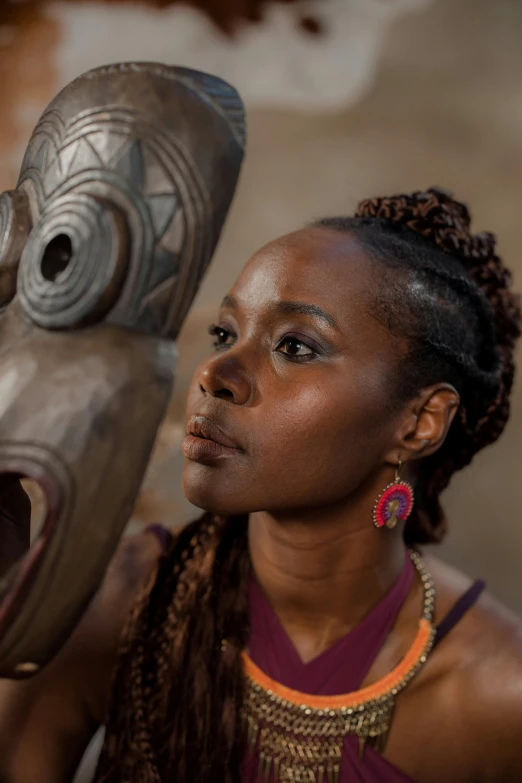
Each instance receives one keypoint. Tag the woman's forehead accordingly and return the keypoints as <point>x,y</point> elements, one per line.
<point>315,265</point>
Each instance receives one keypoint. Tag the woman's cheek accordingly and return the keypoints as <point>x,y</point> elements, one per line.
<point>310,418</point>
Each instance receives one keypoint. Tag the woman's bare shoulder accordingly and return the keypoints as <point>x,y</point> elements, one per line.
<point>486,621</point>
<point>481,659</point>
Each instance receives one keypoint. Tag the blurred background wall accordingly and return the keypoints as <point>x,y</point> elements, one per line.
<point>346,99</point>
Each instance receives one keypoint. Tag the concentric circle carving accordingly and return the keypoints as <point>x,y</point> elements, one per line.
<point>73,264</point>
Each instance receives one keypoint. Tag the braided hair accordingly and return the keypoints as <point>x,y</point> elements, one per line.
<point>447,292</point>
<point>178,691</point>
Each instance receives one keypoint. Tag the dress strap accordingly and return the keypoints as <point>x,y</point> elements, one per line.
<point>457,612</point>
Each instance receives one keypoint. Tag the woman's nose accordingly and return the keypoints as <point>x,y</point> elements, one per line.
<point>224,377</point>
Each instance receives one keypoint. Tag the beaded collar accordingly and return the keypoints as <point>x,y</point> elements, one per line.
<point>299,737</point>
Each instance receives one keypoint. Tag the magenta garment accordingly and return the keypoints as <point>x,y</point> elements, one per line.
<point>340,669</point>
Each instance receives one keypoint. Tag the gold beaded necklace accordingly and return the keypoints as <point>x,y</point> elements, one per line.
<point>300,737</point>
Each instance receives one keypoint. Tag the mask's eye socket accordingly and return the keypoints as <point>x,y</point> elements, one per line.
<point>15,225</point>
<point>56,257</point>
<point>74,263</point>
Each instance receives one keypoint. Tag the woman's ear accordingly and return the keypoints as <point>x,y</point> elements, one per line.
<point>426,421</point>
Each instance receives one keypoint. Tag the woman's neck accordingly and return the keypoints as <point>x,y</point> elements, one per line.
<point>321,573</point>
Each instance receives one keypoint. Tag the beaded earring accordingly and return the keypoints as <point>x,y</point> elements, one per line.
<point>394,503</point>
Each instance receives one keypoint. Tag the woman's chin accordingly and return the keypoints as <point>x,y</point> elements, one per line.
<point>202,492</point>
<point>206,492</point>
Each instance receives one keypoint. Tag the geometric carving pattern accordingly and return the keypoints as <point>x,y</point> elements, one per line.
<point>162,209</point>
<point>96,275</point>
<point>139,174</point>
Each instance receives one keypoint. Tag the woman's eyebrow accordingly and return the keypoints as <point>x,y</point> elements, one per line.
<point>229,302</point>
<point>305,308</point>
<point>289,308</point>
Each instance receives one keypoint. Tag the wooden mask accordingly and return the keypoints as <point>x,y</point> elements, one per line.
<point>122,196</point>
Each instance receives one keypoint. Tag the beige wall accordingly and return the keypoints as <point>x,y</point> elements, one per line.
<point>446,109</point>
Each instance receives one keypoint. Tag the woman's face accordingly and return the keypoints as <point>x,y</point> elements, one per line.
<point>298,390</point>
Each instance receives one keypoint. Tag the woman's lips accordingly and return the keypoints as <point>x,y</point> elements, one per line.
<point>200,449</point>
<point>205,440</point>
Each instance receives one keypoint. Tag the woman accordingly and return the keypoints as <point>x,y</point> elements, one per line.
<point>290,634</point>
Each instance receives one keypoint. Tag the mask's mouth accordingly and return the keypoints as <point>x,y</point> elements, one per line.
<point>29,535</point>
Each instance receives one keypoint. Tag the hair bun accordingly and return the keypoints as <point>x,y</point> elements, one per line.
<point>434,214</point>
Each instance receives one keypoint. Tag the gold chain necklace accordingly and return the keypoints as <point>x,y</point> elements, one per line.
<point>300,737</point>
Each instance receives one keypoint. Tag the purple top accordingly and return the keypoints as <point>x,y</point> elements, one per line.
<point>340,669</point>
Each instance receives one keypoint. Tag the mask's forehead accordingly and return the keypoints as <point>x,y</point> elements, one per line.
<point>109,105</point>
<point>123,168</point>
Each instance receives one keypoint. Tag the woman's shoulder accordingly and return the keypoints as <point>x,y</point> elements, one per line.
<point>131,572</point>
<point>486,619</point>
<point>134,562</point>
<point>481,663</point>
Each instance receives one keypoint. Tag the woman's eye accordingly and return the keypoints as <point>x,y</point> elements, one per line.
<point>291,346</point>
<point>222,336</point>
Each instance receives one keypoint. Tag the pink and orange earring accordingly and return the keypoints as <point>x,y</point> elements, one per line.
<point>395,502</point>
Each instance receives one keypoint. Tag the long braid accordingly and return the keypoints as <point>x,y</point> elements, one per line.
<point>466,335</point>
<point>177,697</point>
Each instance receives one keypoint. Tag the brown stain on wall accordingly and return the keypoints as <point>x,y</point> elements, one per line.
<point>28,39</point>
<point>226,14</point>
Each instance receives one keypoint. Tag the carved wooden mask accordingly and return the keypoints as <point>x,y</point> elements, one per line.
<point>123,192</point>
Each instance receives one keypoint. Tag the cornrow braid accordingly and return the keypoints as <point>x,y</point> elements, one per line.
<point>463,330</point>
